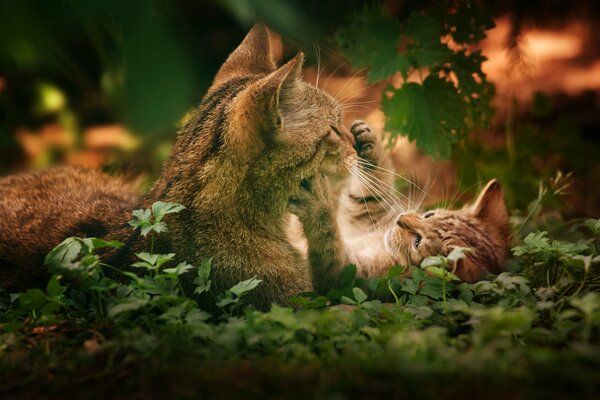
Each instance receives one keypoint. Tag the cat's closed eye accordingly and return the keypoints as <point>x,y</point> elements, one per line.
<point>429,214</point>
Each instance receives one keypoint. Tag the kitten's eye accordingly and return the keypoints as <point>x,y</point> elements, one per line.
<point>429,214</point>
<point>333,128</point>
<point>417,240</point>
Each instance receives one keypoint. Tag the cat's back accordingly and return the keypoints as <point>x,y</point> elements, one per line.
<point>38,210</point>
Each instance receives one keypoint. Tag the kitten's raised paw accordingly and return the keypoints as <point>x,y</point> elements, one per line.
<point>368,143</point>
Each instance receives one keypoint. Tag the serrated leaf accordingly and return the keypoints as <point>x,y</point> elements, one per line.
<point>128,304</point>
<point>359,295</point>
<point>202,280</point>
<point>160,209</point>
<point>433,261</point>
<point>100,243</point>
<point>141,218</point>
<point>65,253</point>
<point>32,299</point>
<point>432,114</point>
<point>371,39</point>
<point>593,225</point>
<point>245,286</point>
<point>180,269</point>
<point>147,257</point>
<point>458,253</point>
<point>426,48</point>
<point>53,287</point>
<point>469,22</point>
<point>467,67</point>
<point>441,273</point>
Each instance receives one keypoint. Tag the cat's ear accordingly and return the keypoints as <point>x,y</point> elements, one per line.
<point>251,57</point>
<point>490,206</point>
<point>263,105</point>
<point>278,91</point>
<point>289,75</point>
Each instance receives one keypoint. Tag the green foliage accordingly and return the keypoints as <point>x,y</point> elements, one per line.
<point>434,322</point>
<point>453,95</point>
<point>151,220</point>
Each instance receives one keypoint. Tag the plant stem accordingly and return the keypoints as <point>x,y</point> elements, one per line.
<point>389,282</point>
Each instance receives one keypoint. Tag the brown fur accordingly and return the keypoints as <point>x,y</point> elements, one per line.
<point>257,133</point>
<point>38,210</point>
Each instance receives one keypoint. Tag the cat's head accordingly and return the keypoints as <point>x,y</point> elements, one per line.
<point>269,122</point>
<point>481,226</point>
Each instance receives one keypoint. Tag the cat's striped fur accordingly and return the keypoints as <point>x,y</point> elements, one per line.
<point>259,131</point>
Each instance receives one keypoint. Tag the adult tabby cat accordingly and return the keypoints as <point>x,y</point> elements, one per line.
<point>355,223</point>
<point>258,132</point>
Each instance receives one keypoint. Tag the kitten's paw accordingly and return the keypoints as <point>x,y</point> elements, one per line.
<point>368,143</point>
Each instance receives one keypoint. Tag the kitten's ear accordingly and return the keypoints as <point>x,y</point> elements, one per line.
<point>490,206</point>
<point>252,56</point>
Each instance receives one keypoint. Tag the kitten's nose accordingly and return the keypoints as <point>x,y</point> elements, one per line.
<point>406,220</point>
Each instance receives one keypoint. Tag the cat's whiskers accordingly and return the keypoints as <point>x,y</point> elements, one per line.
<point>379,195</point>
<point>354,93</point>
<point>377,187</point>
<point>349,80</point>
<point>424,193</point>
<point>387,185</point>
<point>331,74</point>
<point>361,103</point>
<point>394,204</point>
<point>404,178</point>
<point>318,55</point>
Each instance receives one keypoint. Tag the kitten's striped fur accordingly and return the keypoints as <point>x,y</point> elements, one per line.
<point>374,237</point>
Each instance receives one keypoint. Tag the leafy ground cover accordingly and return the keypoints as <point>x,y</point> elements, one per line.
<point>530,332</point>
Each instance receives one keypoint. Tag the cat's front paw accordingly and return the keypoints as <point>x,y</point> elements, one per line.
<point>368,143</point>
<point>314,193</point>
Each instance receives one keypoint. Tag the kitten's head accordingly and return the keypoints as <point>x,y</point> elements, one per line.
<point>482,226</point>
<point>268,122</point>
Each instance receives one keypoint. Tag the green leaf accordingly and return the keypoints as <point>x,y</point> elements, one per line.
<point>409,287</point>
<point>99,243</point>
<point>359,295</point>
<point>245,286</point>
<point>432,114</point>
<point>370,39</point>
<point>434,261</point>
<point>180,269</point>
<point>469,22</point>
<point>593,225</point>
<point>458,253</point>
<point>160,209</point>
<point>53,288</point>
<point>32,299</point>
<point>128,304</point>
<point>425,47</point>
<point>202,280</point>
<point>65,253</point>
<point>441,273</point>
